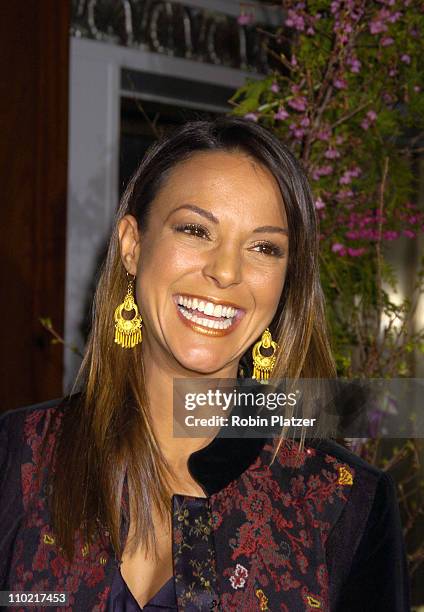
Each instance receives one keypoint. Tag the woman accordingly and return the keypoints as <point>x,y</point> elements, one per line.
<point>214,250</point>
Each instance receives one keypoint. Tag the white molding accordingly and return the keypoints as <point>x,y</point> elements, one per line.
<point>159,63</point>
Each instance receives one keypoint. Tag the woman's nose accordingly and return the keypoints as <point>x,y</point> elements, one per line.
<point>223,265</point>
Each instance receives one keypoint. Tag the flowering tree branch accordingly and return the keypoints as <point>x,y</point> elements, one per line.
<point>346,96</point>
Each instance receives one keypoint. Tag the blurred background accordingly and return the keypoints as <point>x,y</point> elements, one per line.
<point>87,86</point>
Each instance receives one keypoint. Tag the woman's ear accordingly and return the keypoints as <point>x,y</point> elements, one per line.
<point>129,242</point>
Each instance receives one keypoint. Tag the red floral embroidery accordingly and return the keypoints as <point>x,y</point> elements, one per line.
<point>273,516</point>
<point>238,577</point>
<point>37,564</point>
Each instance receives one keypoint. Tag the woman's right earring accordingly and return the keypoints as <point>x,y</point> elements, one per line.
<point>263,354</point>
<point>128,331</point>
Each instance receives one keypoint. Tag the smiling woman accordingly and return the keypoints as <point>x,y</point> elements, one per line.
<point>214,251</point>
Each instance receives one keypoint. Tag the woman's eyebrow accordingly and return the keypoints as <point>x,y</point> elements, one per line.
<point>196,209</point>
<point>272,229</point>
<point>208,215</point>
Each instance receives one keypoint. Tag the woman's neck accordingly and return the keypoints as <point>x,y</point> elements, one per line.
<point>159,379</point>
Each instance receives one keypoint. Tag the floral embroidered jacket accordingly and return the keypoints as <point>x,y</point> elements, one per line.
<point>325,535</point>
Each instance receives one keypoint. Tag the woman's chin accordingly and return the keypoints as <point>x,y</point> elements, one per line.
<point>206,365</point>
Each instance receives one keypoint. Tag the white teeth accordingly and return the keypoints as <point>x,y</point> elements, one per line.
<point>205,322</point>
<point>209,308</point>
<point>217,311</point>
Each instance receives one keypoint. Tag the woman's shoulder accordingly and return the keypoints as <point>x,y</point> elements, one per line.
<point>367,481</point>
<point>23,430</point>
<point>325,453</point>
<point>366,552</point>
<point>372,482</point>
<point>331,451</point>
<point>350,491</point>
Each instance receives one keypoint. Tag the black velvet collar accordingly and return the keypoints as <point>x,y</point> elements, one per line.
<point>223,460</point>
<point>231,452</point>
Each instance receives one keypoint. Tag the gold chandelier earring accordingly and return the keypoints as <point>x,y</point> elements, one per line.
<point>128,331</point>
<point>263,354</point>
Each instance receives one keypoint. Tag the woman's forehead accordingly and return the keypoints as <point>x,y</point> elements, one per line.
<point>221,177</point>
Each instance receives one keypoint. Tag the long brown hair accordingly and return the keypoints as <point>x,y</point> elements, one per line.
<point>108,433</point>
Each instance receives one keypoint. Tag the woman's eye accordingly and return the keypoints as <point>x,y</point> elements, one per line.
<point>193,229</point>
<point>268,248</point>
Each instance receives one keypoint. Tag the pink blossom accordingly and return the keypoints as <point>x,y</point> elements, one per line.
<point>394,17</point>
<point>372,115</point>
<point>295,21</point>
<point>293,60</point>
<point>355,171</point>
<point>365,124</point>
<point>377,26</point>
<point>310,31</point>
<point>339,248</point>
<point>281,114</point>
<point>356,15</point>
<point>343,194</point>
<point>324,134</point>
<point>343,38</point>
<point>354,63</point>
<point>363,234</point>
<point>251,116</point>
<point>319,204</point>
<point>275,88</point>
<point>408,233</point>
<point>331,153</point>
<point>322,171</point>
<point>297,131</point>
<point>298,103</point>
<point>305,122</point>
<point>335,6</point>
<point>417,88</point>
<point>340,83</point>
<point>390,235</point>
<point>392,72</point>
<point>356,252</point>
<point>387,41</point>
<point>405,58</point>
<point>346,178</point>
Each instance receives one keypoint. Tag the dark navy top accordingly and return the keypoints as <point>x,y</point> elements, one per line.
<point>122,600</point>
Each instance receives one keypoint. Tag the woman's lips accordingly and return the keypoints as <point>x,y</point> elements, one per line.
<point>196,320</point>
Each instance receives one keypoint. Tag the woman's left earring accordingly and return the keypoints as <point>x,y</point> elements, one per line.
<point>263,354</point>
<point>128,331</point>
